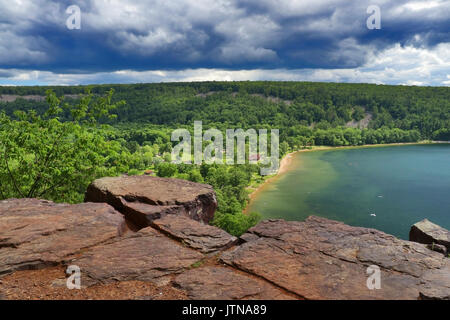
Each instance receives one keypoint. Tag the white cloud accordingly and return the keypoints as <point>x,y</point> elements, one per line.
<point>411,11</point>
<point>395,65</point>
<point>427,66</point>
<point>423,5</point>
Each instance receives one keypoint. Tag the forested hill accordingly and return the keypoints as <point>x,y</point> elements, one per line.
<point>254,104</point>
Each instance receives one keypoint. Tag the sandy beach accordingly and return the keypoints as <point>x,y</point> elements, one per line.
<point>285,164</point>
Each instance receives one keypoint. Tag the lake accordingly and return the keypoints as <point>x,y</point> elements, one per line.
<point>386,188</point>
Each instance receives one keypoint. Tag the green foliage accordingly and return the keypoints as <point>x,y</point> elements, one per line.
<point>40,156</point>
<point>197,264</point>
<point>261,103</point>
<point>442,134</point>
<point>236,224</point>
<point>355,137</point>
<point>166,169</point>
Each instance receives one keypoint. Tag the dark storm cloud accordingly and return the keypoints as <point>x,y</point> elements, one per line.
<point>174,35</point>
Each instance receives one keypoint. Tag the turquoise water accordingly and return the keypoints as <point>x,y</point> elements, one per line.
<point>400,185</point>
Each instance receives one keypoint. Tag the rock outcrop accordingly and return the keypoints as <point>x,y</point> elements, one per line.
<point>219,283</point>
<point>429,233</point>
<point>202,237</point>
<point>143,199</point>
<point>37,233</point>
<point>181,258</point>
<point>325,259</point>
<point>146,255</point>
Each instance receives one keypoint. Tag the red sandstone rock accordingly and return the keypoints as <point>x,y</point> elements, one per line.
<point>145,198</point>
<point>315,259</point>
<point>197,235</point>
<point>145,256</point>
<point>429,233</point>
<point>219,283</point>
<point>325,259</point>
<point>37,233</point>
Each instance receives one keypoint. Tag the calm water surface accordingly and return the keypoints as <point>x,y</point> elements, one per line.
<point>387,188</point>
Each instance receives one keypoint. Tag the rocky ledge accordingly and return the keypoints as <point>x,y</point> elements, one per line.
<point>325,259</point>
<point>437,238</point>
<point>173,256</point>
<point>35,234</point>
<point>143,199</point>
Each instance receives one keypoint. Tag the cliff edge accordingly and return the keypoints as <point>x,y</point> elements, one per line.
<point>148,238</point>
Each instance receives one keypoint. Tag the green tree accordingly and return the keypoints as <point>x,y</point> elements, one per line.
<point>41,156</point>
<point>236,224</point>
<point>166,169</point>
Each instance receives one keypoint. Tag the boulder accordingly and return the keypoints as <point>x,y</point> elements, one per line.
<point>38,233</point>
<point>144,256</point>
<point>143,199</point>
<point>219,283</point>
<point>196,235</point>
<point>325,259</point>
<point>427,232</point>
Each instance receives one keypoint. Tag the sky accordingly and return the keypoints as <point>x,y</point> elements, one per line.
<point>125,41</point>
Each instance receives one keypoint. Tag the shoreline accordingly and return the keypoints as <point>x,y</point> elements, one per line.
<point>286,161</point>
<point>284,164</point>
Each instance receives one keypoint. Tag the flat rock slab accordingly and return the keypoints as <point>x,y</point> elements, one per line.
<point>37,233</point>
<point>325,259</point>
<point>144,256</point>
<point>427,232</point>
<point>145,198</point>
<point>140,215</point>
<point>220,283</point>
<point>195,234</point>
